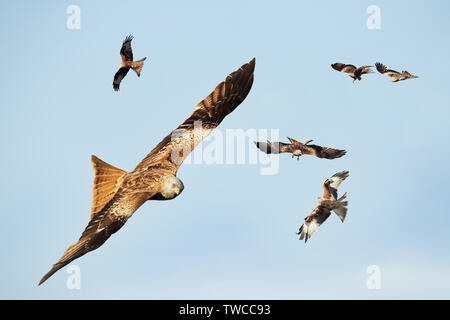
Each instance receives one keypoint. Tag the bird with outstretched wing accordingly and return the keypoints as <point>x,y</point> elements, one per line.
<point>298,149</point>
<point>394,75</point>
<point>127,63</point>
<point>117,194</point>
<point>351,70</point>
<point>327,203</point>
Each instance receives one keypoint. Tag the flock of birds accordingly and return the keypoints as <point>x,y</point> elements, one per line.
<point>117,194</point>
<point>329,201</point>
<point>356,73</point>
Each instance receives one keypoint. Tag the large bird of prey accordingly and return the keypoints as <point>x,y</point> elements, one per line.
<point>327,203</point>
<point>394,75</point>
<point>351,70</point>
<point>298,149</point>
<point>117,194</point>
<point>127,62</point>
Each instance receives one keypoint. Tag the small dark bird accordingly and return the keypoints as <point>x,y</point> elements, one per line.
<point>352,71</point>
<point>117,194</point>
<point>329,202</point>
<point>298,149</point>
<point>127,62</point>
<point>394,75</point>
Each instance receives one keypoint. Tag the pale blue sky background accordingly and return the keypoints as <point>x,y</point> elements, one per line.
<point>231,233</point>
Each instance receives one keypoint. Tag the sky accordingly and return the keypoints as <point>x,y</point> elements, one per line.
<point>231,234</point>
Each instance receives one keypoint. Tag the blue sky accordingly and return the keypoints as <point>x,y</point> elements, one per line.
<point>231,233</point>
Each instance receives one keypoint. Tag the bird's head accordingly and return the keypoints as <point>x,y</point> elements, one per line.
<point>297,152</point>
<point>171,187</point>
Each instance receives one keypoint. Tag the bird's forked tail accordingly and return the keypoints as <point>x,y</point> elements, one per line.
<point>137,66</point>
<point>341,211</point>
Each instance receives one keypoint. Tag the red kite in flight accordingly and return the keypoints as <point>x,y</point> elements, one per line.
<point>118,194</point>
<point>329,202</point>
<point>394,75</point>
<point>352,71</point>
<point>298,149</point>
<point>127,62</point>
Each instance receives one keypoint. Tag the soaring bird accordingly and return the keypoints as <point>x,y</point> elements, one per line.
<point>127,62</point>
<point>327,203</point>
<point>117,194</point>
<point>298,149</point>
<point>352,71</point>
<point>394,75</point>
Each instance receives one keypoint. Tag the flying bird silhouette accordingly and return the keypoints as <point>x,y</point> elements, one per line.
<point>351,70</point>
<point>117,194</point>
<point>127,62</point>
<point>394,75</point>
<point>298,149</point>
<point>327,203</point>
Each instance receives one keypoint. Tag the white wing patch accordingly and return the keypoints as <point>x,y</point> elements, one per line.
<point>186,140</point>
<point>338,178</point>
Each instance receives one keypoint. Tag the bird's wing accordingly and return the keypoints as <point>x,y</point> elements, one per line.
<point>321,152</point>
<point>363,70</point>
<point>337,66</point>
<point>348,68</point>
<point>336,181</point>
<point>392,73</point>
<point>117,211</point>
<point>125,52</point>
<point>380,67</point>
<point>229,94</point>
<point>120,74</point>
<point>342,67</point>
<point>389,72</point>
<point>102,225</point>
<point>268,147</point>
<point>293,141</point>
<point>274,147</point>
<point>313,221</point>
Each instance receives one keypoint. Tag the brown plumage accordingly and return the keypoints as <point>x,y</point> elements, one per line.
<point>118,194</point>
<point>394,75</point>
<point>327,203</point>
<point>351,70</point>
<point>298,149</point>
<point>127,63</point>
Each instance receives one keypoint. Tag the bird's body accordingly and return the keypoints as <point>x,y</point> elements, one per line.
<point>117,194</point>
<point>354,72</point>
<point>127,63</point>
<point>327,203</point>
<point>394,75</point>
<point>297,149</point>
